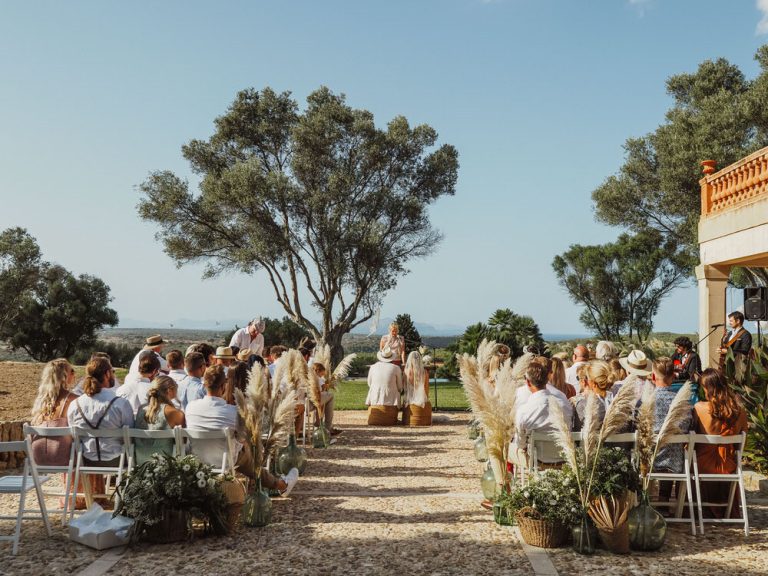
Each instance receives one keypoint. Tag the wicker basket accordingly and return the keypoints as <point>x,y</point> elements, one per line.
<point>616,540</point>
<point>421,416</point>
<point>382,415</point>
<point>538,532</point>
<point>235,494</point>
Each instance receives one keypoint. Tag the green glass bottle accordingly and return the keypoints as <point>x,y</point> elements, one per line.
<point>647,527</point>
<point>291,456</point>
<point>257,510</point>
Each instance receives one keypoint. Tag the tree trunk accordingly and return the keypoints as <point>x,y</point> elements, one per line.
<point>333,339</point>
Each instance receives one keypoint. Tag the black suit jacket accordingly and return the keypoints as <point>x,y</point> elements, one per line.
<point>743,343</point>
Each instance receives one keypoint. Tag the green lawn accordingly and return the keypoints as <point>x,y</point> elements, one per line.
<point>450,395</point>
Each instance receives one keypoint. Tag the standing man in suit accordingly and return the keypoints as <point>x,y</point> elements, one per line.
<point>739,340</point>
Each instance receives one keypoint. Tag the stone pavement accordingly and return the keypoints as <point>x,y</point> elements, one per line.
<point>391,501</point>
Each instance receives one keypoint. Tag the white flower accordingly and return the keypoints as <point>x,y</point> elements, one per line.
<point>200,474</point>
<point>553,502</point>
<point>534,506</point>
<point>573,508</point>
<point>185,467</point>
<point>527,494</point>
<point>211,482</point>
<point>201,483</point>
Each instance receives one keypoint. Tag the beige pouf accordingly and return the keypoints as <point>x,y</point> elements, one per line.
<point>420,416</point>
<point>382,415</point>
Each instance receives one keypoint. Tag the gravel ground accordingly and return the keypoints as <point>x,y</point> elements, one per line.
<point>390,501</point>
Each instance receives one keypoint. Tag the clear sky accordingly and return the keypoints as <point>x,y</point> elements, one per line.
<point>537,95</point>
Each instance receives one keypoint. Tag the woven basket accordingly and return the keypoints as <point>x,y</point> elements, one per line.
<point>420,416</point>
<point>233,517</point>
<point>616,540</point>
<point>235,494</point>
<point>538,532</point>
<point>382,415</point>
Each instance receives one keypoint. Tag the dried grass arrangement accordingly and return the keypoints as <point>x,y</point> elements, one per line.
<point>492,406</point>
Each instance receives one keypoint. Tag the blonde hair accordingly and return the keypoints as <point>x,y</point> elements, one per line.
<point>414,376</point>
<point>158,396</point>
<point>600,376</point>
<point>53,381</point>
<point>619,373</point>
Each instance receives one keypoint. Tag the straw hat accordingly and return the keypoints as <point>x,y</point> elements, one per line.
<point>385,355</point>
<point>244,355</point>
<point>153,341</point>
<point>636,362</point>
<point>224,352</point>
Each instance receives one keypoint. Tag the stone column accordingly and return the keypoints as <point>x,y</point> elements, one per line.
<point>712,283</point>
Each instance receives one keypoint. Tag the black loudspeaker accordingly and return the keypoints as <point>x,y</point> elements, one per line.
<point>756,303</point>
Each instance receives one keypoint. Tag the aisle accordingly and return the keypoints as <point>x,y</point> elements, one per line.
<point>379,501</point>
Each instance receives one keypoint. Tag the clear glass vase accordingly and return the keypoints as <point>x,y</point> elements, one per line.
<point>481,450</point>
<point>488,484</point>
<point>647,527</point>
<point>257,510</point>
<point>473,430</point>
<point>584,536</point>
<point>292,456</point>
<point>321,438</point>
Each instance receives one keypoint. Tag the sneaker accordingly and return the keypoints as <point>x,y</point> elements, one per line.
<point>290,479</point>
<point>336,432</point>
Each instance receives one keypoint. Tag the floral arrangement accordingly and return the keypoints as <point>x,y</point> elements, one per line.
<point>552,493</point>
<point>166,482</point>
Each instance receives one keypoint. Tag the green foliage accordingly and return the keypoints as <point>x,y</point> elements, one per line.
<point>60,314</point>
<point>717,114</point>
<point>613,472</point>
<point>20,262</point>
<point>553,494</point>
<point>120,354</point>
<point>167,482</point>
<point>324,202</point>
<point>408,331</point>
<point>750,379</point>
<point>621,284</point>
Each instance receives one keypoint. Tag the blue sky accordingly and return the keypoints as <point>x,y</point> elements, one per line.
<point>537,95</point>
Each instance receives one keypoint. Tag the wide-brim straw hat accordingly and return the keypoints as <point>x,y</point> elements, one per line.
<point>244,355</point>
<point>224,352</point>
<point>636,362</point>
<point>153,341</point>
<point>385,355</point>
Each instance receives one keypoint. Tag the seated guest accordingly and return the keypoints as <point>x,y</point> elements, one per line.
<point>417,390</point>
<point>224,357</point>
<point>385,384</point>
<point>670,458</point>
<point>606,350</point>
<point>524,393</point>
<point>206,350</point>
<point>153,344</point>
<point>557,378</point>
<point>191,388</point>
<point>135,388</point>
<point>687,362</point>
<point>722,414</point>
<point>78,389</point>
<point>158,414</point>
<point>619,373</point>
<point>237,379</point>
<point>598,379</point>
<point>328,396</point>
<point>534,415</point>
<point>274,357</point>
<point>96,409</point>
<point>580,358</point>
<point>636,363</point>
<point>213,413</point>
<point>175,361</point>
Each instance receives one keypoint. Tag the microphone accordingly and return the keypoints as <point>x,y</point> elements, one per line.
<point>717,325</point>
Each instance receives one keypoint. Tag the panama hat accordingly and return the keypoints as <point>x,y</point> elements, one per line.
<point>224,352</point>
<point>636,362</point>
<point>244,355</point>
<point>153,341</point>
<point>385,355</point>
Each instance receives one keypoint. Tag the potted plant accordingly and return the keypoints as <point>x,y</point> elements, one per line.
<point>321,437</point>
<point>165,492</point>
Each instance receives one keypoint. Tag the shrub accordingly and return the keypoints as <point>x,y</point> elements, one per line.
<point>121,354</point>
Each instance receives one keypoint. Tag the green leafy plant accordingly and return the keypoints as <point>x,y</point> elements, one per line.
<point>166,482</point>
<point>553,494</point>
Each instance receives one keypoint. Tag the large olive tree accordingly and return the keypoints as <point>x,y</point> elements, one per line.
<point>330,207</point>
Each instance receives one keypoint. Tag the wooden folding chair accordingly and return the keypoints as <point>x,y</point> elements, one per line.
<point>736,479</point>
<point>35,433</point>
<point>20,485</point>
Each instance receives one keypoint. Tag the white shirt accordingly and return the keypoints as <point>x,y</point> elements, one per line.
<point>385,382</point>
<point>524,394</point>
<point>570,374</point>
<point>178,375</point>
<point>242,340</point>
<point>534,417</point>
<point>134,369</point>
<point>135,391</point>
<point>211,413</point>
<point>118,415</point>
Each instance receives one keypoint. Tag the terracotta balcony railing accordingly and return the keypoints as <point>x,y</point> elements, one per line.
<point>736,185</point>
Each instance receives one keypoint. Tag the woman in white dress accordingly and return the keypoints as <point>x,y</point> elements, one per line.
<point>395,343</point>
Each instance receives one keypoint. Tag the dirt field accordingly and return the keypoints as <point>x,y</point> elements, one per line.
<point>18,387</point>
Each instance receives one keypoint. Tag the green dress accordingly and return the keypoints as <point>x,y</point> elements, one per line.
<point>143,449</point>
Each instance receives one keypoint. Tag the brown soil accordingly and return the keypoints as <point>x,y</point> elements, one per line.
<point>18,388</point>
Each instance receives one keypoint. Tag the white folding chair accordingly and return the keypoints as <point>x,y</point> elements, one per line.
<point>684,482</point>
<point>35,433</point>
<point>132,435</point>
<point>736,479</point>
<point>308,426</point>
<point>222,441</point>
<point>83,470</point>
<point>20,485</point>
<point>543,449</point>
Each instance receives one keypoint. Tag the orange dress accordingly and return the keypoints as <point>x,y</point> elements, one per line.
<point>716,459</point>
